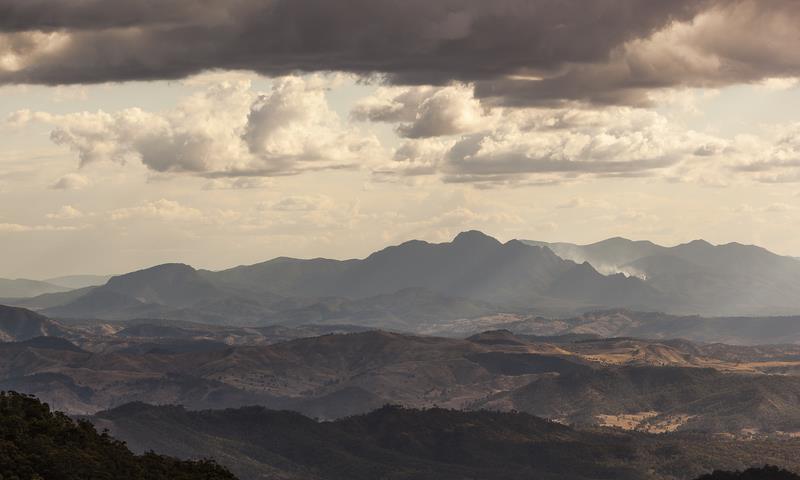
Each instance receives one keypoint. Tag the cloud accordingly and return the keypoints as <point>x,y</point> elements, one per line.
<point>778,83</point>
<point>71,181</point>
<point>442,224</point>
<point>415,39</point>
<point>545,146</point>
<point>302,215</point>
<point>293,125</point>
<point>519,52</point>
<point>170,213</point>
<point>414,158</point>
<point>225,130</point>
<point>424,112</point>
<point>240,183</point>
<point>67,212</point>
<point>162,209</point>
<point>302,203</point>
<point>726,43</point>
<point>777,207</point>
<point>50,15</point>
<point>576,202</point>
<point>20,228</point>
<point>773,157</point>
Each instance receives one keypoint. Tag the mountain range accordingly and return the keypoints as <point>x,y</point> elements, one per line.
<point>698,277</point>
<point>23,288</point>
<point>417,285</point>
<point>398,287</point>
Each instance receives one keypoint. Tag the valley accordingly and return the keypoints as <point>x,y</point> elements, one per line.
<point>330,372</point>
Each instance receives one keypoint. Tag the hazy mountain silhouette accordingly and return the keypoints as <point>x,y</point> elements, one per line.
<point>415,283</point>
<point>79,281</point>
<point>611,252</point>
<point>399,287</point>
<point>698,277</point>
<point>164,291</point>
<point>22,288</point>
<point>473,265</point>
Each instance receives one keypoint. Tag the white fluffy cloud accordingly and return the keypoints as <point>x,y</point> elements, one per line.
<point>775,160</point>
<point>551,145</point>
<point>450,135</point>
<point>292,128</point>
<point>224,130</point>
<point>619,141</point>
<point>238,137</point>
<point>71,181</point>
<point>423,112</point>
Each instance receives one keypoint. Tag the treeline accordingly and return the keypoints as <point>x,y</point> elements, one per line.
<point>765,473</point>
<point>392,442</point>
<point>37,444</point>
<point>434,444</point>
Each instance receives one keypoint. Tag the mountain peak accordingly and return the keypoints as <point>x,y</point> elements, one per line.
<point>475,237</point>
<point>699,243</point>
<point>165,269</point>
<point>169,267</point>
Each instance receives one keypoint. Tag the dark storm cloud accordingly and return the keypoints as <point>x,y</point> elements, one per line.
<point>419,41</point>
<point>49,15</point>
<point>582,50</point>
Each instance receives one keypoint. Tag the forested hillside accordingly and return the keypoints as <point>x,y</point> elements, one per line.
<point>37,444</point>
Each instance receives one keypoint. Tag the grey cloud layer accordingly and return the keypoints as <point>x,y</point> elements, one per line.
<point>520,52</point>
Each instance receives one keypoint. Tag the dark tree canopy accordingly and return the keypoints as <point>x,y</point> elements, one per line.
<point>765,473</point>
<point>36,443</point>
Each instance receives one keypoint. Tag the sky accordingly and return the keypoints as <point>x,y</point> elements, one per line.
<point>223,133</point>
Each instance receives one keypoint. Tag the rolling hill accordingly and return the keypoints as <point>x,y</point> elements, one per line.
<point>651,385</point>
<point>393,442</point>
<point>18,324</point>
<point>627,323</point>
